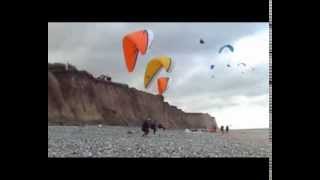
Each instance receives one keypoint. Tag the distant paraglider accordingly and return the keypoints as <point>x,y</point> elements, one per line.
<point>201,41</point>
<point>243,64</point>
<point>244,68</point>
<point>226,46</point>
<point>211,68</point>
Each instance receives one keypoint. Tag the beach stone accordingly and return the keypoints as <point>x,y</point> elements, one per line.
<point>113,141</point>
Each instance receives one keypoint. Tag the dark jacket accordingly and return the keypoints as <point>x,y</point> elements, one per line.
<point>145,126</point>
<point>153,126</point>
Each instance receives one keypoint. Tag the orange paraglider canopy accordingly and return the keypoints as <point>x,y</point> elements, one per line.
<point>162,84</point>
<point>133,43</point>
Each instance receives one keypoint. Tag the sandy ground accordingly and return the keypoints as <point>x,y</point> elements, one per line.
<point>113,141</point>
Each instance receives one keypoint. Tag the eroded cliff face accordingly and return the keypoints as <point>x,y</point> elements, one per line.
<point>76,97</point>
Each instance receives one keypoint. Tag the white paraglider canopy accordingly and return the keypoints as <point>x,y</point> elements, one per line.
<point>150,37</point>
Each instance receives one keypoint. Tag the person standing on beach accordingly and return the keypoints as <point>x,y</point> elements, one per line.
<point>222,129</point>
<point>227,129</point>
<point>145,127</point>
<point>153,126</point>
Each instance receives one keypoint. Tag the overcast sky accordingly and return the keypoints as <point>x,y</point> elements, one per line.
<point>234,96</point>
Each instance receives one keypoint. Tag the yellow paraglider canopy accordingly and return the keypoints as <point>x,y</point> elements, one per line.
<point>154,65</point>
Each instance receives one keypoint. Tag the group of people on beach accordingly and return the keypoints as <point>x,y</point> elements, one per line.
<point>222,129</point>
<point>151,124</point>
<point>154,125</point>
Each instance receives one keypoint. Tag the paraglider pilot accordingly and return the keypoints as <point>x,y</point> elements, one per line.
<point>145,127</point>
<point>153,126</point>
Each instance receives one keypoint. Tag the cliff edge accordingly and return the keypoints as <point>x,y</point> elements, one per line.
<point>76,97</point>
